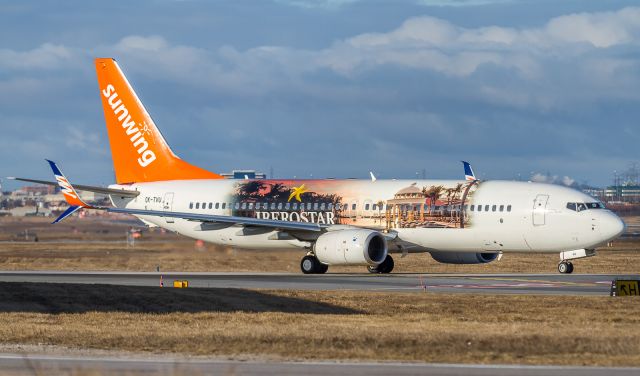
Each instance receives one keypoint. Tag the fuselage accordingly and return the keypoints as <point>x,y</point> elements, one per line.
<point>422,215</point>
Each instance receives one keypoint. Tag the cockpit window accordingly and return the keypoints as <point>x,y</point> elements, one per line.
<point>580,206</point>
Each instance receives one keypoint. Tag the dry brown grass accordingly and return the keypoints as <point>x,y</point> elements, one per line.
<point>326,325</point>
<point>99,244</point>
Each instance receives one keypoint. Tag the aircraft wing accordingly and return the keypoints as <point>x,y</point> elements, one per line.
<point>88,188</point>
<point>76,203</point>
<point>283,225</point>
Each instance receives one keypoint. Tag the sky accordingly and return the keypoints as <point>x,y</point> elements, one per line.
<point>330,88</point>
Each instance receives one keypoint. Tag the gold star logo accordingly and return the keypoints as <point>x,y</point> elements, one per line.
<point>297,191</point>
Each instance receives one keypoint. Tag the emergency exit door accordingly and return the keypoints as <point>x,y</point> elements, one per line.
<point>540,209</point>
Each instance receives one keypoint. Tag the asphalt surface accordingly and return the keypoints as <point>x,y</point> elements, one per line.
<point>19,364</point>
<point>550,284</point>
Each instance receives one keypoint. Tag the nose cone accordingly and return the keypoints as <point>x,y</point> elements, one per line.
<point>612,226</point>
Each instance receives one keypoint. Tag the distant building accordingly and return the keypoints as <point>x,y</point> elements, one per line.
<point>35,190</point>
<point>598,193</point>
<point>623,193</point>
<point>242,174</point>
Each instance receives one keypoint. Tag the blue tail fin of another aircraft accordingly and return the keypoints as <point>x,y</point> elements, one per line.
<point>468,172</point>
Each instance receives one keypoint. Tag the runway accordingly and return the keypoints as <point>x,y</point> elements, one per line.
<point>550,284</point>
<point>47,364</point>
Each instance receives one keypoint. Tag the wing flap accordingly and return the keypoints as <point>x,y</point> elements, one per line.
<point>284,225</point>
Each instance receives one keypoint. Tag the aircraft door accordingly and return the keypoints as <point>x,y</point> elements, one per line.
<point>167,205</point>
<point>539,209</point>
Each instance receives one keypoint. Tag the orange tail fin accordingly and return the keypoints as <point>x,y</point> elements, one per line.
<point>139,152</point>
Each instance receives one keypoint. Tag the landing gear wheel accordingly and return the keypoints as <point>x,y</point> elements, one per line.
<point>565,267</point>
<point>322,268</point>
<point>383,268</point>
<point>311,265</point>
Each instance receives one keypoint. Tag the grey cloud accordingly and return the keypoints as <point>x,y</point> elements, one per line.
<point>426,92</point>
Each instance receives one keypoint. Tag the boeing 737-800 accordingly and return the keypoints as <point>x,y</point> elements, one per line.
<point>334,222</point>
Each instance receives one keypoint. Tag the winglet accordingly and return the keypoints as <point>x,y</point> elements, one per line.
<point>468,172</point>
<point>70,195</point>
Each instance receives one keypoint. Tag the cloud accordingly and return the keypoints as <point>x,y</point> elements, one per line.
<point>423,92</point>
<point>45,57</point>
<point>324,4</point>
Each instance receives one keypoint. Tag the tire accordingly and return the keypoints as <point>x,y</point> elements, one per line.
<point>373,269</point>
<point>387,265</point>
<point>570,270</point>
<point>563,267</point>
<point>322,268</point>
<point>309,265</point>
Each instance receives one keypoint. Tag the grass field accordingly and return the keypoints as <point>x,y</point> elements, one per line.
<point>98,244</point>
<point>325,325</point>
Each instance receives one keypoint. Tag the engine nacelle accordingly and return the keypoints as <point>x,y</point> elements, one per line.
<point>351,247</point>
<point>464,257</point>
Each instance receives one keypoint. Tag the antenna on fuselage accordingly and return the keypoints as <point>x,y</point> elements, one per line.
<point>373,177</point>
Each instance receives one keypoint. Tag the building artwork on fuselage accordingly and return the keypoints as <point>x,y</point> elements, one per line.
<point>340,202</point>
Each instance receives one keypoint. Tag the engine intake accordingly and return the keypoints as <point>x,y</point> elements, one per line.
<point>351,247</point>
<point>464,257</point>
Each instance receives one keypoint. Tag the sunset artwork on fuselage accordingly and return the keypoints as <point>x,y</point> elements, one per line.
<point>338,202</point>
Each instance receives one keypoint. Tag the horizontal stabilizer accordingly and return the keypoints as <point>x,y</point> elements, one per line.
<point>87,188</point>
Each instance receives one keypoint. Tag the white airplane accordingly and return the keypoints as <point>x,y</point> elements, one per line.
<point>334,222</point>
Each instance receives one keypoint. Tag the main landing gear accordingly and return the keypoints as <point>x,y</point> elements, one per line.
<point>383,268</point>
<point>565,267</point>
<point>311,265</point>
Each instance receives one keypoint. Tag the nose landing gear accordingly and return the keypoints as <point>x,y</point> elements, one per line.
<point>565,267</point>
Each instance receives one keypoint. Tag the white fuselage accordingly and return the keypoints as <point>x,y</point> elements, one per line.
<point>514,216</point>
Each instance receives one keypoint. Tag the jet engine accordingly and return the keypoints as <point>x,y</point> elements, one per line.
<point>464,257</point>
<point>351,247</point>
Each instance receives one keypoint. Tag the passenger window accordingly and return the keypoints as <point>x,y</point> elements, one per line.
<point>472,207</point>
<point>197,205</point>
<point>501,208</point>
<point>279,205</point>
<point>273,206</point>
<point>315,206</point>
<point>287,206</point>
<point>374,207</point>
<point>330,206</point>
<point>224,205</point>
<point>217,205</point>
<point>322,206</point>
<point>237,205</point>
<point>493,208</point>
<point>250,205</point>
<point>295,206</point>
<point>211,205</point>
<point>366,206</point>
<point>191,205</point>
<point>465,207</point>
<point>204,205</point>
<point>486,208</point>
<point>257,205</point>
<point>479,207</point>
<point>353,207</point>
<point>508,208</point>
